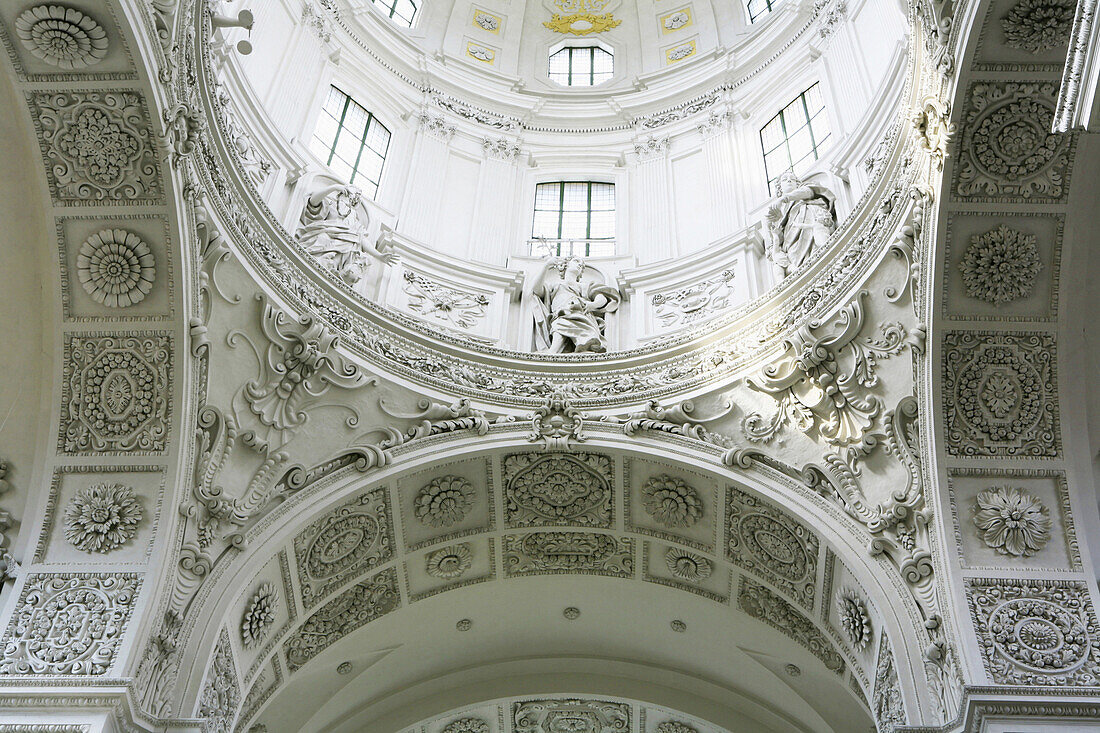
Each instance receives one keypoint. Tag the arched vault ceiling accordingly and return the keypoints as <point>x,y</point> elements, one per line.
<point>868,474</point>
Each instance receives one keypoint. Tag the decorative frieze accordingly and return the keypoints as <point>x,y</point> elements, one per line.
<point>760,603</point>
<point>1008,150</point>
<point>568,552</point>
<point>765,541</point>
<point>570,714</point>
<point>431,299</point>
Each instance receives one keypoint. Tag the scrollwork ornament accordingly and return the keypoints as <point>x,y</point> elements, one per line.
<point>102,517</point>
<point>61,36</point>
<point>1012,521</point>
<point>116,268</point>
<point>450,562</point>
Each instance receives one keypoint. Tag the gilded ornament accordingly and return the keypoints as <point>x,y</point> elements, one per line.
<point>116,268</point>
<point>62,36</point>
<point>582,24</point>
<point>102,518</point>
<point>1012,521</point>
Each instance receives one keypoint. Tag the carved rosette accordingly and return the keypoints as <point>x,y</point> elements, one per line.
<point>1036,26</point>
<point>450,562</point>
<point>259,615</point>
<point>1012,521</point>
<point>62,36</point>
<point>444,501</point>
<point>69,624</point>
<point>116,268</point>
<point>688,566</point>
<point>671,501</point>
<point>854,619</point>
<point>1000,266</point>
<point>102,518</point>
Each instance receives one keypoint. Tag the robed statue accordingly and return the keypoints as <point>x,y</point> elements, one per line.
<point>799,223</point>
<point>332,231</point>
<point>568,311</point>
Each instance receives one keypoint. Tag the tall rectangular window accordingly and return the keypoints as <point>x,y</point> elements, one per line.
<point>758,8</point>
<point>581,67</point>
<point>400,11</point>
<point>794,137</point>
<point>351,141</point>
<point>574,218</point>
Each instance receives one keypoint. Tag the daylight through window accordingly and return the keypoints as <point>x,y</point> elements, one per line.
<point>351,141</point>
<point>581,67</point>
<point>794,137</point>
<point>574,218</point>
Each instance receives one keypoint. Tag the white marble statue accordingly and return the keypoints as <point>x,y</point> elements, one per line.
<point>799,223</point>
<point>332,231</point>
<point>568,311</point>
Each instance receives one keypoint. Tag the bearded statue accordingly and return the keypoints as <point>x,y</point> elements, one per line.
<point>331,230</point>
<point>568,312</point>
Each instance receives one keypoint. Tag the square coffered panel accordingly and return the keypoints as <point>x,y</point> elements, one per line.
<point>114,267</point>
<point>449,566</point>
<point>80,496</point>
<point>679,567</point>
<point>348,541</point>
<point>48,41</point>
<point>1031,34</point>
<point>671,503</point>
<point>1013,519</point>
<point>446,502</point>
<point>1003,266</point>
<point>558,489</point>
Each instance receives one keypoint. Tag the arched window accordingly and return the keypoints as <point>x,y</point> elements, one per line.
<point>574,218</point>
<point>794,137</point>
<point>400,11</point>
<point>758,8</point>
<point>581,66</point>
<point>351,141</point>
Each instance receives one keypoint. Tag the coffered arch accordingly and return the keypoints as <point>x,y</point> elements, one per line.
<point>630,532</point>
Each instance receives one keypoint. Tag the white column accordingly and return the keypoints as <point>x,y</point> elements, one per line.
<point>652,234</point>
<point>496,202</point>
<point>727,210</point>
<point>424,189</point>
